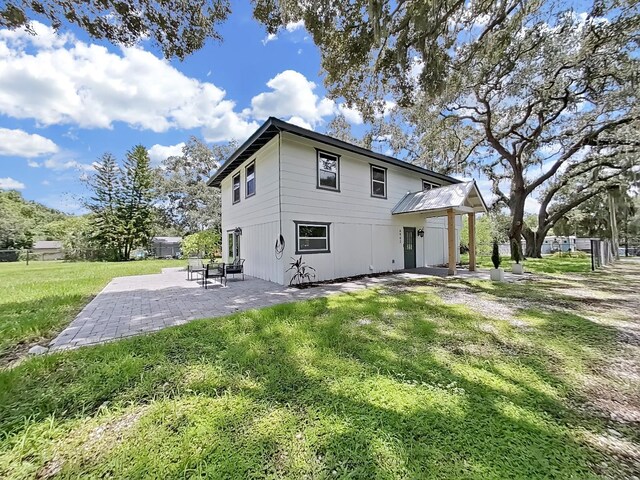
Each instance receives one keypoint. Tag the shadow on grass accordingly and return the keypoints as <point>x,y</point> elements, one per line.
<point>358,385</point>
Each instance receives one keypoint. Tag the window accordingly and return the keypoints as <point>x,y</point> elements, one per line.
<point>236,188</point>
<point>312,237</point>
<point>251,179</point>
<point>328,171</point>
<point>230,249</point>
<point>233,245</point>
<point>428,185</point>
<point>378,182</point>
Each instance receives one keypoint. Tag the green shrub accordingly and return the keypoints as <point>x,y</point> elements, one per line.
<point>495,255</point>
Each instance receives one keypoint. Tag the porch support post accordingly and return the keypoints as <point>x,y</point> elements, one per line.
<point>451,232</point>
<point>472,242</point>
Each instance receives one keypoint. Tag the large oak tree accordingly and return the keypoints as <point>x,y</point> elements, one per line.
<point>177,27</point>
<point>520,90</point>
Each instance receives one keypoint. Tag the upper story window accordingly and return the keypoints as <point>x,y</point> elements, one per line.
<point>378,182</point>
<point>328,171</point>
<point>428,185</point>
<point>250,175</point>
<point>236,188</point>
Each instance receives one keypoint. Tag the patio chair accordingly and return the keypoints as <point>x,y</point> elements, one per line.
<point>214,270</point>
<point>236,268</point>
<point>194,265</point>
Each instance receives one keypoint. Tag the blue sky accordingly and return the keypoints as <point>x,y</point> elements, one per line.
<point>66,99</point>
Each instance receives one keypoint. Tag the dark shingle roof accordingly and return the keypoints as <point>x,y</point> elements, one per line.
<point>273,126</point>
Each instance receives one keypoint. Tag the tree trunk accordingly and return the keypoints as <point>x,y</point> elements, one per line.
<point>518,198</point>
<point>614,224</point>
<point>529,237</point>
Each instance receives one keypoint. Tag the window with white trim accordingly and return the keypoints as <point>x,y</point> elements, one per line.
<point>328,171</point>
<point>428,185</point>
<point>312,237</point>
<point>378,182</point>
<point>250,175</point>
<point>236,188</point>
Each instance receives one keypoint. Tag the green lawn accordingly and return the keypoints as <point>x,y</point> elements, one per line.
<point>38,300</point>
<point>565,263</point>
<point>391,383</point>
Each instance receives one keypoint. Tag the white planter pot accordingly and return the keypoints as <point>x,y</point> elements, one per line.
<point>517,268</point>
<point>497,274</point>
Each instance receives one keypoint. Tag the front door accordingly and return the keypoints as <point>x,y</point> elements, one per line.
<point>409,247</point>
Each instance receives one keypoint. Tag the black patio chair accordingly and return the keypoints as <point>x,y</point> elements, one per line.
<point>194,265</point>
<point>236,268</point>
<point>214,270</point>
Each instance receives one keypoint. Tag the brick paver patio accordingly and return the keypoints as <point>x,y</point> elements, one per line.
<point>145,303</point>
<point>139,304</point>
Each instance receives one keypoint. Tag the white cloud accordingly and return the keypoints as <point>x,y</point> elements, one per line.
<point>158,153</point>
<point>46,183</point>
<point>291,96</point>
<point>293,26</point>
<point>300,122</point>
<point>289,27</point>
<point>18,143</point>
<point>9,183</point>
<point>352,115</point>
<point>269,38</point>
<point>63,161</point>
<point>57,79</point>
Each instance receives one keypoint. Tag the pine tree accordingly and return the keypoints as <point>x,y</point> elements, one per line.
<point>104,204</point>
<point>136,210</point>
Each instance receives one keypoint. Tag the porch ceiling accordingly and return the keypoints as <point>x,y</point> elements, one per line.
<point>460,197</point>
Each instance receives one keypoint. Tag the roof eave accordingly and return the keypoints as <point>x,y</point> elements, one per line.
<point>216,179</point>
<point>213,181</point>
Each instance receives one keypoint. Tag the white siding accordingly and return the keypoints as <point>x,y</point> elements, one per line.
<point>364,236</point>
<point>257,216</point>
<point>436,241</point>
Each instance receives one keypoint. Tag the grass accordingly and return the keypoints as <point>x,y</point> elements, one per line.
<point>557,263</point>
<point>388,383</point>
<point>38,300</point>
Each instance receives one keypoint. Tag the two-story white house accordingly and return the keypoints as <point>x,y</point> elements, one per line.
<point>289,191</point>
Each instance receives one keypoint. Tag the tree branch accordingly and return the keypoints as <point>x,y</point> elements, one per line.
<point>587,140</point>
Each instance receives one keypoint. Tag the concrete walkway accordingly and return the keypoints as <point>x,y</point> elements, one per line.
<point>139,304</point>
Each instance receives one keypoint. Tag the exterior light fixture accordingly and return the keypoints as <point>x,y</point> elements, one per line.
<point>421,232</point>
<point>238,231</point>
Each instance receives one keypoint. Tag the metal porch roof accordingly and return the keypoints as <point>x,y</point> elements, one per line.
<point>464,197</point>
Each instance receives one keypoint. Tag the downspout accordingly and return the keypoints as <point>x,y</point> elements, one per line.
<point>280,242</point>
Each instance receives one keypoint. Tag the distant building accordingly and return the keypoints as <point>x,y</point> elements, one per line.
<point>48,250</point>
<point>166,246</point>
<point>553,244</point>
<point>583,244</point>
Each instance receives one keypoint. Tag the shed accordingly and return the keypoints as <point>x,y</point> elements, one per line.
<point>48,249</point>
<point>166,246</point>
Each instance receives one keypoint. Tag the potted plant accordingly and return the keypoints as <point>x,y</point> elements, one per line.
<point>516,266</point>
<point>497,274</point>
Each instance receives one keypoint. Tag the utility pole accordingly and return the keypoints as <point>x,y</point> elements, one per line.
<point>612,193</point>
